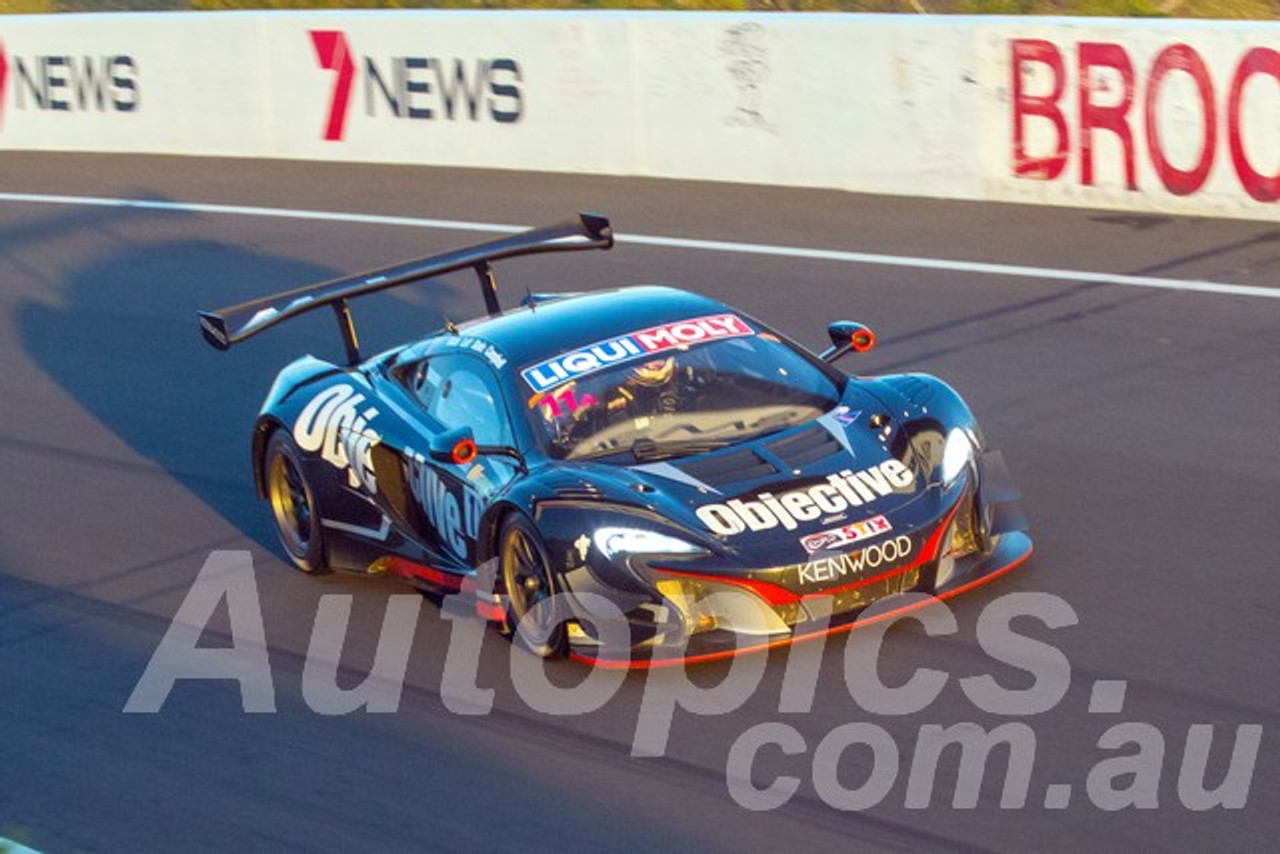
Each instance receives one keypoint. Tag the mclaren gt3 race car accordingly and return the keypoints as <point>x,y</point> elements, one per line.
<point>635,476</point>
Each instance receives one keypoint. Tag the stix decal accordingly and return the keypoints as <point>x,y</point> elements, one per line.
<point>420,88</point>
<point>879,556</point>
<point>457,521</point>
<point>846,534</point>
<point>334,425</point>
<point>63,83</point>
<point>594,357</point>
<point>836,494</point>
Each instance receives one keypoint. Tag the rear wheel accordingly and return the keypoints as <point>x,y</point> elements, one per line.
<point>293,504</point>
<point>533,614</point>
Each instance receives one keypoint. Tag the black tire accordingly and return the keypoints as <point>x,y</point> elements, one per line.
<point>527,579</point>
<point>293,504</point>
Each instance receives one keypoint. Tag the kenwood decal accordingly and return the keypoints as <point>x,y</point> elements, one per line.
<point>879,556</point>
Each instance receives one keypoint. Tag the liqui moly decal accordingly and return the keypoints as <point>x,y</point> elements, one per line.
<point>594,357</point>
<point>846,534</point>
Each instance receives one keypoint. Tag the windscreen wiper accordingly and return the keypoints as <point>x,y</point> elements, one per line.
<point>646,449</point>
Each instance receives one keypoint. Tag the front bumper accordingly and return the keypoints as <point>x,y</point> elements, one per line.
<point>954,553</point>
<point>1011,551</point>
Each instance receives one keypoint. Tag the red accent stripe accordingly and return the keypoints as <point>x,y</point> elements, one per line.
<point>408,569</point>
<point>488,606</point>
<point>490,611</point>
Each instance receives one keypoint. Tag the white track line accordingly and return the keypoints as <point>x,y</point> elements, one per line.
<point>1197,286</point>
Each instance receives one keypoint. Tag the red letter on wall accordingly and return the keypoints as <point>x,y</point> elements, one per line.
<point>1181,57</point>
<point>1260,60</point>
<point>1044,106</point>
<point>334,55</point>
<point>1112,117</point>
<point>4,72</point>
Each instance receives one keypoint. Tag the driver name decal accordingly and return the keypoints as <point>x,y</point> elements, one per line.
<point>593,357</point>
<point>836,494</point>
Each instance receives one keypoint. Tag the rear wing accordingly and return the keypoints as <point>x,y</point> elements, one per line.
<point>231,325</point>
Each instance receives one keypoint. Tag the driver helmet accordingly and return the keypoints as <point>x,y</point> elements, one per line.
<point>653,373</point>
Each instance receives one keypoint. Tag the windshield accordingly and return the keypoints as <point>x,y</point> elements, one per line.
<point>683,400</point>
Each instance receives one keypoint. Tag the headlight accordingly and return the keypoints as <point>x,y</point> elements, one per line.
<point>615,541</point>
<point>956,455</point>
<point>706,605</point>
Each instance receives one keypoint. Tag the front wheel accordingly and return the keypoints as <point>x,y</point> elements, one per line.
<point>533,613</point>
<point>293,504</point>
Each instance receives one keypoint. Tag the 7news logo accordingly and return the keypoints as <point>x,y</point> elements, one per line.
<point>68,84</point>
<point>417,87</point>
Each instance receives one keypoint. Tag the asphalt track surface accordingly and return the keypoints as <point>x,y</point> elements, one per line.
<point>1141,423</point>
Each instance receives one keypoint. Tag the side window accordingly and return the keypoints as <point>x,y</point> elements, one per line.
<point>461,391</point>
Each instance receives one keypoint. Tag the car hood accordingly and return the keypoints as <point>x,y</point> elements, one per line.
<point>767,501</point>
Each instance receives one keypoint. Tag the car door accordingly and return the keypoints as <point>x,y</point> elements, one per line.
<point>442,500</point>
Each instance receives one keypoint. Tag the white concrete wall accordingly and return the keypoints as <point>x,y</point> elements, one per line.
<point>1140,115</point>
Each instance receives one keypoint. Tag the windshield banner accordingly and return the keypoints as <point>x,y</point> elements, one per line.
<point>589,359</point>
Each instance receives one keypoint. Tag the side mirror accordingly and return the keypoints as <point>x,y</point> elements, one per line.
<point>456,446</point>
<point>847,336</point>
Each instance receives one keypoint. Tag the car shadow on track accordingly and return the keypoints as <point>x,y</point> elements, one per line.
<point>121,338</point>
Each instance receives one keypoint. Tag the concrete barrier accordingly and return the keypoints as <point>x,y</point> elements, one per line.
<point>1164,116</point>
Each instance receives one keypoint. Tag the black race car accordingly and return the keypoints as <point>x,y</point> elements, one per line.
<point>633,476</point>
